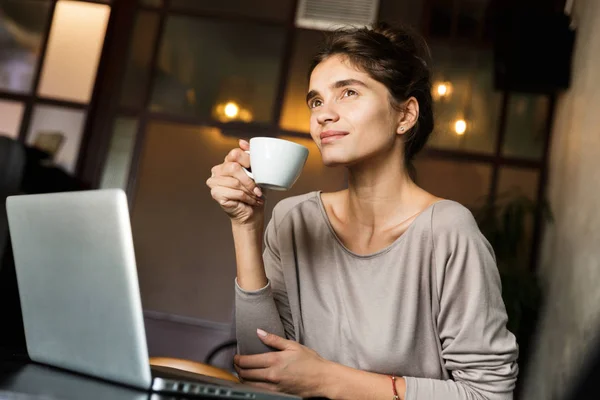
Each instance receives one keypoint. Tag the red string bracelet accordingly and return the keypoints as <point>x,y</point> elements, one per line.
<point>396,397</point>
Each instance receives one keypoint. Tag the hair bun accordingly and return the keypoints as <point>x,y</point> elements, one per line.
<point>405,40</point>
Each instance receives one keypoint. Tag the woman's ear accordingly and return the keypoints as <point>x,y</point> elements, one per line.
<point>410,115</point>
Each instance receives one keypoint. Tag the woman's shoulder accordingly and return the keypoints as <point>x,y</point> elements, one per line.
<point>449,216</point>
<point>283,207</point>
<point>454,228</point>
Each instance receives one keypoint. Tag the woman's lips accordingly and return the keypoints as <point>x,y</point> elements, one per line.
<point>331,136</point>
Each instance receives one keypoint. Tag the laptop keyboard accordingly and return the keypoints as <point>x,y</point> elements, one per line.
<point>201,389</point>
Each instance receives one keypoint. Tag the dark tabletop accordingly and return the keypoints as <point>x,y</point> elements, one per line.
<point>23,380</point>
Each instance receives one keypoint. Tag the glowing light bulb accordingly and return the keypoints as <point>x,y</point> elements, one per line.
<point>442,89</point>
<point>460,126</point>
<point>231,110</point>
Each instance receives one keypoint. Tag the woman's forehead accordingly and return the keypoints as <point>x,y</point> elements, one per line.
<point>333,69</point>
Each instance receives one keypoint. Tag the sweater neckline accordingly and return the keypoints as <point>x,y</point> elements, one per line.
<point>386,249</point>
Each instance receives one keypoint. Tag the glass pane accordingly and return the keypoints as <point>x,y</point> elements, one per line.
<point>116,168</point>
<point>407,12</point>
<point>278,10</point>
<point>470,16</point>
<point>227,72</point>
<point>440,19</point>
<point>151,3</point>
<point>525,126</point>
<point>489,22</point>
<point>464,94</point>
<point>295,115</point>
<point>465,182</point>
<point>58,131</point>
<point>519,181</point>
<point>513,184</point>
<point>22,24</point>
<point>11,113</point>
<point>140,55</point>
<point>70,66</point>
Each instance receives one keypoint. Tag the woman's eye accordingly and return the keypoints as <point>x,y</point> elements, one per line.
<point>350,92</point>
<point>315,103</point>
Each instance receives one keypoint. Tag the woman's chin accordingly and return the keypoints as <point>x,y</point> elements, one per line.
<point>334,161</point>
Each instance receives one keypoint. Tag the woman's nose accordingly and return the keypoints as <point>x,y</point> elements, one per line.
<point>327,114</point>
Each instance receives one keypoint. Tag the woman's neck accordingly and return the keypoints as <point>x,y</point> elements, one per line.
<point>381,194</point>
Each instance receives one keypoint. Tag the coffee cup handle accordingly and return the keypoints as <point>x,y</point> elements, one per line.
<point>246,171</point>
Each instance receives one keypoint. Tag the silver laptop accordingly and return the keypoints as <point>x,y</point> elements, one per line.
<point>80,296</point>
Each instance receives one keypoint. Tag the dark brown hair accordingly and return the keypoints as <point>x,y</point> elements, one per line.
<point>396,57</point>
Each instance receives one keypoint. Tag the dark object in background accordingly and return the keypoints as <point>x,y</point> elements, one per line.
<point>23,169</point>
<point>41,176</point>
<point>12,166</point>
<point>532,51</point>
<point>585,384</point>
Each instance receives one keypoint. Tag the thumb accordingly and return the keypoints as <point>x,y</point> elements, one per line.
<point>277,342</point>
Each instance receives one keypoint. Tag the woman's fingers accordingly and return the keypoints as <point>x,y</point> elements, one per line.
<point>244,145</point>
<point>229,182</point>
<point>235,170</point>
<point>228,197</point>
<point>239,156</point>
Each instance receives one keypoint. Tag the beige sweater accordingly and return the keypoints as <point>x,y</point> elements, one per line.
<point>427,308</point>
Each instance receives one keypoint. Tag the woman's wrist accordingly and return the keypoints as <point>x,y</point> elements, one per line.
<point>247,240</point>
<point>331,374</point>
<point>341,382</point>
<point>248,227</point>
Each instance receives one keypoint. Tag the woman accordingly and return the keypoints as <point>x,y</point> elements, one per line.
<point>381,289</point>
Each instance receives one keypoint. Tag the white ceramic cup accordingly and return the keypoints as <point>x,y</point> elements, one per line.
<point>276,163</point>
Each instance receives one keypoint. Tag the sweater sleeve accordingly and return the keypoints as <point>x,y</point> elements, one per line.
<point>267,308</point>
<point>477,348</point>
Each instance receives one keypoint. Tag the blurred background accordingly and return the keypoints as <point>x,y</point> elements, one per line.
<point>148,95</point>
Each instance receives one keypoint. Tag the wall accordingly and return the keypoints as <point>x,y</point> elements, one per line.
<point>570,262</point>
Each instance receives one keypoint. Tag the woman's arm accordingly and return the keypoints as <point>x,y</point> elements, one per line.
<point>251,274</point>
<point>476,347</point>
<point>242,201</point>
<point>261,304</point>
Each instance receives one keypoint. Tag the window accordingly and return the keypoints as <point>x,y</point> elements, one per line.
<point>116,168</point>
<point>466,107</point>
<point>276,10</point>
<point>11,113</point>
<point>229,71</point>
<point>74,48</point>
<point>526,124</point>
<point>22,25</point>
<point>64,124</point>
<point>137,72</point>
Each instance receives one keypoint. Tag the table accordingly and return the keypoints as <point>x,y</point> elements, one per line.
<point>24,380</point>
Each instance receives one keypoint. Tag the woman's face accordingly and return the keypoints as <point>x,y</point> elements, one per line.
<point>351,116</point>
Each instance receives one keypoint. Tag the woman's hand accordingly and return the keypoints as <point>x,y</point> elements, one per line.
<point>294,369</point>
<point>236,192</point>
